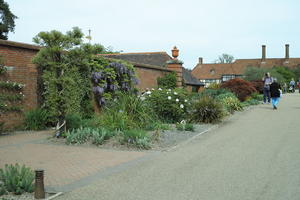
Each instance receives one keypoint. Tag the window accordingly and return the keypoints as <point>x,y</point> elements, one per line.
<point>228,77</point>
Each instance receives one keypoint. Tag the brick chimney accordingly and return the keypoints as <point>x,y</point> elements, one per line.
<point>263,56</point>
<point>176,65</point>
<point>287,51</point>
<point>200,61</point>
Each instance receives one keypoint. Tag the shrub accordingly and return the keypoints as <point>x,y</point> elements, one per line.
<point>207,110</point>
<point>2,189</point>
<point>258,85</point>
<point>127,112</point>
<point>180,126</point>
<point>230,102</point>
<point>168,81</point>
<point>214,86</point>
<point>137,137</point>
<point>73,121</point>
<point>83,135</point>
<point>169,105</point>
<point>189,127</point>
<point>211,92</point>
<point>257,96</point>
<point>36,119</point>
<point>250,102</point>
<point>17,179</point>
<point>241,88</point>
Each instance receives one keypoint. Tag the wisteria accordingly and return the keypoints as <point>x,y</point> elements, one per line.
<point>113,77</point>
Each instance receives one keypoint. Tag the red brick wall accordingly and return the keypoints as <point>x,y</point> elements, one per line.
<point>148,76</point>
<point>21,70</point>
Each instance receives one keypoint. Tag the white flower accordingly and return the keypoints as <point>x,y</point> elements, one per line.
<point>181,106</point>
<point>169,97</point>
<point>177,100</point>
<point>149,95</point>
<point>169,90</point>
<point>148,92</point>
<point>183,121</point>
<point>185,100</point>
<point>175,93</point>
<point>159,89</point>
<point>152,89</point>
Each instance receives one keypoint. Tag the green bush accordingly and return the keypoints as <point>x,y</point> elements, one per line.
<point>36,119</point>
<point>189,127</point>
<point>83,135</point>
<point>169,105</point>
<point>211,92</point>
<point>257,96</point>
<point>17,179</point>
<point>127,112</point>
<point>2,189</point>
<point>250,102</point>
<point>230,102</point>
<point>137,137</point>
<point>207,110</point>
<point>180,126</point>
<point>73,121</point>
<point>168,81</point>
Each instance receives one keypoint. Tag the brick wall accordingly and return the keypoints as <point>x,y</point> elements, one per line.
<point>148,75</point>
<point>17,58</point>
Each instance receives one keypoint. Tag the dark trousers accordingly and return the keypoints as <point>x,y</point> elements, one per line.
<point>267,95</point>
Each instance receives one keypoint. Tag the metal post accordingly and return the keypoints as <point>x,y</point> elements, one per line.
<point>39,192</point>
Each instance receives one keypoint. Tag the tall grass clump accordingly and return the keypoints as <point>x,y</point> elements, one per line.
<point>36,119</point>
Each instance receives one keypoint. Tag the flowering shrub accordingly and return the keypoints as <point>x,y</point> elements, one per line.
<point>207,110</point>
<point>11,85</point>
<point>170,105</point>
<point>241,88</point>
<point>110,77</point>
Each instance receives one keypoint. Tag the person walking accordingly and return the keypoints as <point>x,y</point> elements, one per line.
<point>267,82</point>
<point>275,93</point>
<point>292,86</point>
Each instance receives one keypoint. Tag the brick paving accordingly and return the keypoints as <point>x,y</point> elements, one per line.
<point>63,164</point>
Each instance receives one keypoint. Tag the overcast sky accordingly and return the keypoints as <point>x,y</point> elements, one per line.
<point>198,28</point>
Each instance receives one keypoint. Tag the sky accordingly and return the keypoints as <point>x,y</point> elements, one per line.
<point>198,28</point>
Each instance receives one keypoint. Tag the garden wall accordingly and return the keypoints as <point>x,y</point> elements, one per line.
<point>17,59</point>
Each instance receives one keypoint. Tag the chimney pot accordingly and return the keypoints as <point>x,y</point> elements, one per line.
<point>200,60</point>
<point>263,52</point>
<point>287,51</point>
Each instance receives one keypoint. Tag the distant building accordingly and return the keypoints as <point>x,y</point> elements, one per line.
<point>220,72</point>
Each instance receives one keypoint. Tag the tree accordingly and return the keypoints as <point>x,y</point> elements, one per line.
<point>257,73</point>
<point>225,58</point>
<point>7,23</point>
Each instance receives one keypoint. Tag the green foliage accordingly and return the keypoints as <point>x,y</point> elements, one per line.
<point>285,72</point>
<point>241,88</point>
<point>214,86</point>
<point>83,135</point>
<point>296,71</point>
<point>231,103</point>
<point>2,67</point>
<point>207,110</point>
<point>73,121</point>
<point>11,97</point>
<point>9,108</point>
<point>169,105</point>
<point>180,126</point>
<point>257,73</point>
<point>36,119</point>
<point>250,102</point>
<point>211,92</point>
<point>189,127</point>
<point>11,85</point>
<point>137,137</point>
<point>257,96</point>
<point>7,23</point>
<point>168,81</point>
<point>127,111</point>
<point>17,179</point>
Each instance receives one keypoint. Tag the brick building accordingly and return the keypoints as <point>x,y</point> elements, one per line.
<point>220,72</point>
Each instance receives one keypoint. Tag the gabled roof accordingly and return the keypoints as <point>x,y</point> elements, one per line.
<point>149,58</point>
<point>215,71</point>
<point>189,79</point>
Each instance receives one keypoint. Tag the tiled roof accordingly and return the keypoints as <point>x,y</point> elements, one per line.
<point>215,71</point>
<point>20,45</point>
<point>189,79</point>
<point>150,58</point>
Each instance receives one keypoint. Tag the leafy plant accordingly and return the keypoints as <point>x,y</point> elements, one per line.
<point>214,86</point>
<point>257,96</point>
<point>180,126</point>
<point>167,81</point>
<point>11,85</point>
<point>137,137</point>
<point>17,179</point>
<point>207,110</point>
<point>241,88</point>
<point>83,135</point>
<point>169,105</point>
<point>73,121</point>
<point>36,119</point>
<point>230,102</point>
<point>189,127</point>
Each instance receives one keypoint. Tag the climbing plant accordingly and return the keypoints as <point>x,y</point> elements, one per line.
<point>71,71</point>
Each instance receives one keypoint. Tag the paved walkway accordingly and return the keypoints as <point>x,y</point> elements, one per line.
<point>253,156</point>
<point>66,167</point>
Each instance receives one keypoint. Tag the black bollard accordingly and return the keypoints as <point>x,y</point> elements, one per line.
<point>39,191</point>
